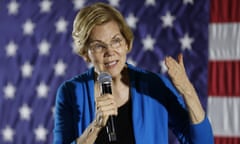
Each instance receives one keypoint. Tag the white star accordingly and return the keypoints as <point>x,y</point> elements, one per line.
<point>25,112</point>
<point>61,25</point>
<point>11,48</point>
<point>148,43</point>
<point>42,90</point>
<point>131,20</point>
<point>40,133</point>
<point>114,3</point>
<point>188,1</point>
<point>13,7</point>
<point>90,65</point>
<point>74,48</point>
<point>59,68</point>
<point>8,134</point>
<point>53,111</point>
<point>45,6</point>
<point>28,27</point>
<point>163,66</point>
<point>131,61</point>
<point>9,91</point>
<point>78,4</point>
<point>167,20</point>
<point>186,42</point>
<point>150,2</point>
<point>26,69</point>
<point>44,47</point>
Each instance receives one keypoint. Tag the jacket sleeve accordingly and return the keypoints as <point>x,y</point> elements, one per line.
<point>179,120</point>
<point>202,133</point>
<point>64,132</point>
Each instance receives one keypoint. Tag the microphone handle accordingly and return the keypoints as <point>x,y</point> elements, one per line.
<point>112,136</point>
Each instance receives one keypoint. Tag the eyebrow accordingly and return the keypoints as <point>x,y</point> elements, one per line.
<point>116,35</point>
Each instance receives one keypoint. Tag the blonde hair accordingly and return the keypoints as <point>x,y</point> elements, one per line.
<point>97,14</point>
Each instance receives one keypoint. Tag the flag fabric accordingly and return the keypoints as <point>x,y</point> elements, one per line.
<point>37,54</point>
<point>224,71</point>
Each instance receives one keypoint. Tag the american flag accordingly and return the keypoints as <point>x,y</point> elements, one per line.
<point>37,54</point>
<point>224,71</point>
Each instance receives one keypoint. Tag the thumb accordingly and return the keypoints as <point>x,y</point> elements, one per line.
<point>180,59</point>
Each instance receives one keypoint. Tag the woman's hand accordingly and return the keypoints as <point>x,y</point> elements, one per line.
<point>106,106</point>
<point>177,73</point>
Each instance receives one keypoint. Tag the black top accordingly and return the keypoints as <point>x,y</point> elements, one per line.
<point>123,127</point>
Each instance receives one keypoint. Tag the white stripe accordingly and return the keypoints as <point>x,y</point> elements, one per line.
<point>224,41</point>
<point>223,113</point>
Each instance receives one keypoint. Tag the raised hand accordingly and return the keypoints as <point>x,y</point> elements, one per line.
<point>177,73</point>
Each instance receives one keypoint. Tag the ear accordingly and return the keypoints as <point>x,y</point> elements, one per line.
<point>127,48</point>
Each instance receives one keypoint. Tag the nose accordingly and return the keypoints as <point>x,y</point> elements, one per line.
<point>109,51</point>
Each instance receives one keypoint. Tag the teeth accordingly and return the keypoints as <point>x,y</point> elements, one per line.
<point>111,63</point>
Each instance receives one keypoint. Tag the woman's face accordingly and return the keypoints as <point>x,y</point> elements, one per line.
<point>107,49</point>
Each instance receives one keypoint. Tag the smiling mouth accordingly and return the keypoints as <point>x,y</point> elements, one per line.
<point>110,64</point>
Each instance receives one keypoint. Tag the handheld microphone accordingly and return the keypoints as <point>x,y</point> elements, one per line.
<point>105,81</point>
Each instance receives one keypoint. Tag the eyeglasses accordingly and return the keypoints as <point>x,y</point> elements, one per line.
<point>98,47</point>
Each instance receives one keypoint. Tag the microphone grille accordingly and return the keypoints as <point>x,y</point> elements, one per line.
<point>104,77</point>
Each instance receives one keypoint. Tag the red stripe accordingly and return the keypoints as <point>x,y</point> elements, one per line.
<point>224,78</point>
<point>225,11</point>
<point>226,140</point>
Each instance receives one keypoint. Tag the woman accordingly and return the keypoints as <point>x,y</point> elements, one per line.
<point>145,104</point>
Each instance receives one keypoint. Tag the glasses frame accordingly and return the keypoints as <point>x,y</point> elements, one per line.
<point>97,46</point>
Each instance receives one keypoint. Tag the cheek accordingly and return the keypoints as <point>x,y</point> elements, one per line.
<point>94,59</point>
<point>124,51</point>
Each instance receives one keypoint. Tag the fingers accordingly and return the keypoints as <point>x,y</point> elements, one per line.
<point>172,65</point>
<point>180,60</point>
<point>106,106</point>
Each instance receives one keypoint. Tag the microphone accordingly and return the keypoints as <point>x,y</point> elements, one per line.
<point>105,81</point>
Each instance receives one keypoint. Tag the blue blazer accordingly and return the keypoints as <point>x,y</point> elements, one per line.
<point>156,106</point>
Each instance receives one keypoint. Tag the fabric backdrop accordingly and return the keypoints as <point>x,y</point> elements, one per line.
<point>37,54</point>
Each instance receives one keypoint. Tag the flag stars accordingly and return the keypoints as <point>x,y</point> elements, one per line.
<point>26,69</point>
<point>89,65</point>
<point>13,7</point>
<point>40,133</point>
<point>44,47</point>
<point>131,61</point>
<point>53,111</point>
<point>163,66</point>
<point>60,68</point>
<point>25,112</point>
<point>78,4</point>
<point>61,25</point>
<point>150,2</point>
<point>188,1</point>
<point>11,49</point>
<point>28,27</point>
<point>9,91</point>
<point>45,6</point>
<point>42,90</point>
<point>186,42</point>
<point>74,48</point>
<point>148,43</point>
<point>168,20</point>
<point>8,134</point>
<point>114,3</point>
<point>131,20</point>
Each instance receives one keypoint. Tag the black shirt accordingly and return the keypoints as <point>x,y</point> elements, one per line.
<point>123,127</point>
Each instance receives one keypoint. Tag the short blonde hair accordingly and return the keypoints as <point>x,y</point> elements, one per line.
<point>97,14</point>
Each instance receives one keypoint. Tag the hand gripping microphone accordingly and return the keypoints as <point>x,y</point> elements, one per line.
<point>105,81</point>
